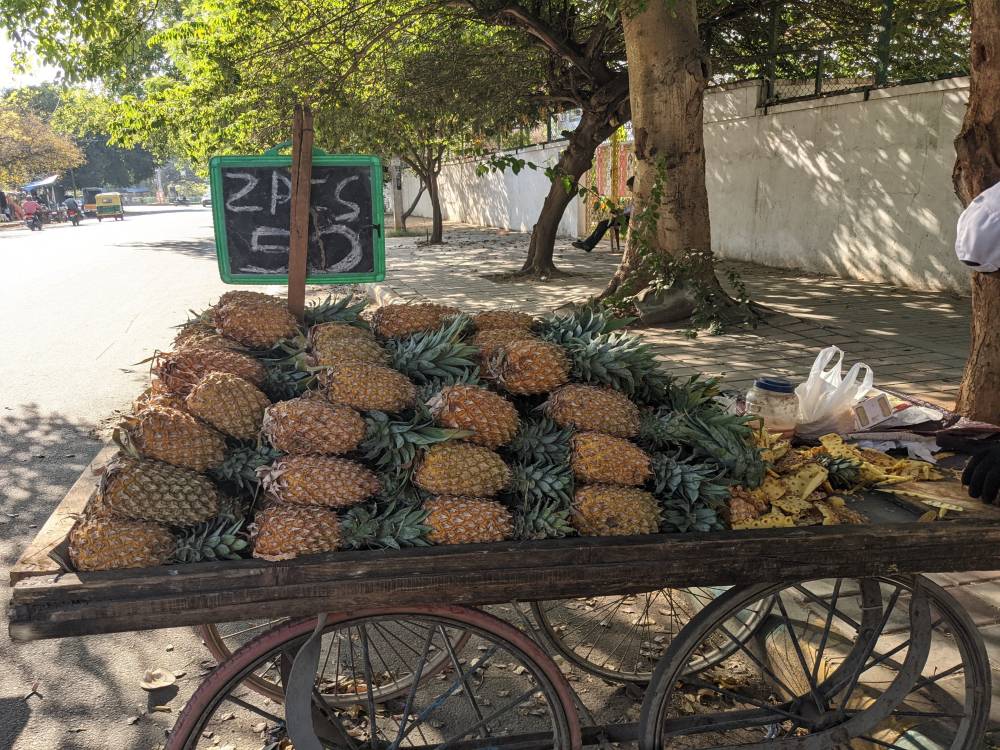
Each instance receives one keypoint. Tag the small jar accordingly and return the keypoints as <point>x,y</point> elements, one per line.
<point>775,402</point>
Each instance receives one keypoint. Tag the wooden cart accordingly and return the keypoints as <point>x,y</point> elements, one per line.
<point>819,637</point>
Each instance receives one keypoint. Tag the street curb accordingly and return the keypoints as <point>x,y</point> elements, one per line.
<point>382,294</point>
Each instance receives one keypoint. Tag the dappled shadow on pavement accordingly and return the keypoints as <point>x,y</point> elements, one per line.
<point>88,686</point>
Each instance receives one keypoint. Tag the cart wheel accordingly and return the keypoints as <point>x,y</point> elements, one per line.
<point>850,664</point>
<point>505,692</point>
<point>223,639</point>
<point>621,638</point>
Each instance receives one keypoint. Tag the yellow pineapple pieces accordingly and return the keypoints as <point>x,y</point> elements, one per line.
<point>804,481</point>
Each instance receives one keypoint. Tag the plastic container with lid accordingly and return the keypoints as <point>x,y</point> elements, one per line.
<point>774,401</point>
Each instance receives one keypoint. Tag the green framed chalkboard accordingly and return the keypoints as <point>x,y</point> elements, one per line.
<point>251,211</point>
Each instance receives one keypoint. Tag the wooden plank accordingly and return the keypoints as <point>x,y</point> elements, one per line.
<point>298,243</point>
<point>35,560</point>
<point>134,600</point>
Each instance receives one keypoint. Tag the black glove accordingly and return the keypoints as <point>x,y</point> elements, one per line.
<point>982,475</point>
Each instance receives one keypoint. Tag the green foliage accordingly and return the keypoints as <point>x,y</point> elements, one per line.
<point>391,525</point>
<point>542,439</point>
<point>435,356</point>
<point>30,148</point>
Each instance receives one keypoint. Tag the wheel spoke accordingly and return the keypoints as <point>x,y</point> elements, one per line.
<point>467,688</point>
<point>869,647</point>
<point>740,647</point>
<point>821,649</point>
<point>817,698</point>
<point>518,700</point>
<point>413,690</point>
<point>369,679</point>
<point>742,698</point>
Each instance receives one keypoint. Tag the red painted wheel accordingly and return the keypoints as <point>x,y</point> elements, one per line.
<point>502,690</point>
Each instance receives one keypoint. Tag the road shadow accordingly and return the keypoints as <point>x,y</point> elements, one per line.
<point>191,248</point>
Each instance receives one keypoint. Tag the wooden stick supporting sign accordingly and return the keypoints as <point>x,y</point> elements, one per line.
<point>302,148</point>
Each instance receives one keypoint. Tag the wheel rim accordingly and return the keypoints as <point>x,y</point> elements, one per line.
<point>859,665</point>
<point>621,638</point>
<point>502,692</point>
<point>223,639</point>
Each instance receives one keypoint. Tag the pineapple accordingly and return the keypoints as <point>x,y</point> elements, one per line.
<point>255,324</point>
<point>313,425</point>
<point>457,468</point>
<point>247,297</point>
<point>466,520</point>
<point>319,480</point>
<point>528,367</point>
<point>144,490</point>
<point>492,320</point>
<point>283,532</point>
<point>438,355</point>
<point>325,333</point>
<point>609,510</point>
<point>491,418</point>
<point>600,458</point>
<point>229,403</point>
<point>198,333</point>
<point>177,372</point>
<point>369,387</point>
<point>587,407</point>
<point>173,436</point>
<point>330,349</point>
<point>155,396</point>
<point>105,543</point>
<point>392,321</point>
<point>489,341</point>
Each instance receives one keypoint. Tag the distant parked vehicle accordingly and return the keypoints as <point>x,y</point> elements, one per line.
<point>206,200</point>
<point>90,200</point>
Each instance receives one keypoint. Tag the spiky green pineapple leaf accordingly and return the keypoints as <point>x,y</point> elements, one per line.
<point>342,310</point>
<point>428,390</point>
<point>435,356</point>
<point>540,480</point>
<point>542,519</point>
<point>220,538</point>
<point>239,468</point>
<point>541,439</point>
<point>585,322</point>
<point>389,526</point>
<point>393,441</point>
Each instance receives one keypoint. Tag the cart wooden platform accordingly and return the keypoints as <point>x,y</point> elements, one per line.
<point>879,562</point>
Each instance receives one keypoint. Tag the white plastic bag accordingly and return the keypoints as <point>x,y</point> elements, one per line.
<point>827,397</point>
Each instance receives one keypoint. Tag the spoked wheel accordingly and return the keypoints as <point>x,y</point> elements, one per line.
<point>621,638</point>
<point>223,639</point>
<point>837,664</point>
<point>502,691</point>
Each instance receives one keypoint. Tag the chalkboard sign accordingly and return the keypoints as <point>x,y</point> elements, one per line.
<point>251,208</point>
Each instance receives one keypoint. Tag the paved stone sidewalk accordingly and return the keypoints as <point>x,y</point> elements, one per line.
<point>915,341</point>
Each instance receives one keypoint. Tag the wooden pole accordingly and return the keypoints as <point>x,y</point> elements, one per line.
<point>298,245</point>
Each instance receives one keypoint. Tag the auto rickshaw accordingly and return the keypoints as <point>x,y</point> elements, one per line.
<point>109,205</point>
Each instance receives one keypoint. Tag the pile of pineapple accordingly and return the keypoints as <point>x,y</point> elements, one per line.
<point>409,425</point>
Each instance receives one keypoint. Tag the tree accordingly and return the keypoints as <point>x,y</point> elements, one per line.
<point>977,167</point>
<point>30,148</point>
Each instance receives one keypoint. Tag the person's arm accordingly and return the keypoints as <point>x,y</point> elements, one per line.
<point>982,475</point>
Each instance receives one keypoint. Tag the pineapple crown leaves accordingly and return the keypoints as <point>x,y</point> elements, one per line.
<point>215,539</point>
<point>585,322</point>
<point>242,464</point>
<point>392,526</point>
<point>680,483</point>
<point>541,438</point>
<point>690,395</point>
<point>540,480</point>
<point>843,472</point>
<point>397,485</point>
<point>393,441</point>
<point>711,435</point>
<point>619,360</point>
<point>438,355</point>
<point>690,517</point>
<point>542,519</point>
<point>342,310</point>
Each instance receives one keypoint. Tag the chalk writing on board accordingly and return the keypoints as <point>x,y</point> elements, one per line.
<point>257,218</point>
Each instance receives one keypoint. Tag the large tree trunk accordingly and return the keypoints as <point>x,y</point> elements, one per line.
<point>573,162</point>
<point>977,168</point>
<point>437,223</point>
<point>667,78</point>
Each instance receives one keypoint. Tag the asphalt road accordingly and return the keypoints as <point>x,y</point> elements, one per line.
<point>79,306</point>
